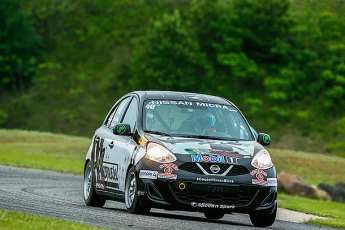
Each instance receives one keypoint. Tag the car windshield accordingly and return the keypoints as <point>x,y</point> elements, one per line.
<point>195,119</point>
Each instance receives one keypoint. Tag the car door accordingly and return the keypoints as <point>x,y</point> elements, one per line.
<point>120,149</point>
<point>106,171</point>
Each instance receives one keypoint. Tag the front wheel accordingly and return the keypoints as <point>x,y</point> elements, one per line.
<point>131,195</point>
<point>90,196</point>
<point>263,220</point>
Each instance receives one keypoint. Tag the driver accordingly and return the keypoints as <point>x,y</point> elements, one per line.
<point>212,126</point>
<point>207,123</point>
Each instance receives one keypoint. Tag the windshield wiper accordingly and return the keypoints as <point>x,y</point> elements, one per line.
<point>157,132</point>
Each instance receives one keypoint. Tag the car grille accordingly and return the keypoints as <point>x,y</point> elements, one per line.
<point>242,196</point>
<point>194,168</point>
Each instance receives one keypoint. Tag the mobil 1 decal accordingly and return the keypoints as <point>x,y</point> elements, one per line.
<point>214,159</point>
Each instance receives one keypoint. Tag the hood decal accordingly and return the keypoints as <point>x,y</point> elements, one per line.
<point>209,147</point>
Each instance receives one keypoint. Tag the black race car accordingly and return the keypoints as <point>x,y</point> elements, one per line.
<point>181,151</point>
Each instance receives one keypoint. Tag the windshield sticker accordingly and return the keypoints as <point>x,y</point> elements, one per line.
<point>150,106</point>
<point>186,103</point>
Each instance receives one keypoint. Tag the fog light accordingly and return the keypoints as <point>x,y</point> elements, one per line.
<point>182,185</point>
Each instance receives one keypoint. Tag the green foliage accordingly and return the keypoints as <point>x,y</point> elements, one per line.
<point>281,61</point>
<point>170,58</point>
<point>19,47</point>
<point>3,117</point>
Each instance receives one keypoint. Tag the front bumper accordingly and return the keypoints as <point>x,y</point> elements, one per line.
<point>200,193</point>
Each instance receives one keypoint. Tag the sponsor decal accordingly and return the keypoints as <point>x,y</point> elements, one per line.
<point>214,159</point>
<point>260,177</point>
<point>272,182</point>
<point>225,152</point>
<point>231,153</point>
<point>167,175</point>
<point>168,169</point>
<point>259,181</point>
<point>170,165</point>
<point>148,174</point>
<point>214,180</point>
<point>110,172</point>
<point>208,205</point>
<point>142,141</point>
<point>256,171</point>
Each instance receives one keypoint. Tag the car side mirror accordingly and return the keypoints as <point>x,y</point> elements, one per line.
<point>122,129</point>
<point>264,139</point>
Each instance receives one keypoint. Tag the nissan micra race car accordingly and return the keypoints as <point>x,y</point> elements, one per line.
<point>181,151</point>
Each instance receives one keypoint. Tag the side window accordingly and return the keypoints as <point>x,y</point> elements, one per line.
<point>131,114</point>
<point>115,115</point>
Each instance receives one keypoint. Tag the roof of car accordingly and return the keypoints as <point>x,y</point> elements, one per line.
<point>175,95</point>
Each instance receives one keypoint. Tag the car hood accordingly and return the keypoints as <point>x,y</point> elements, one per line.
<point>181,145</point>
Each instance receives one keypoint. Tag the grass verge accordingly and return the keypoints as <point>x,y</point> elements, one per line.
<point>15,220</point>
<point>39,150</point>
<point>333,211</point>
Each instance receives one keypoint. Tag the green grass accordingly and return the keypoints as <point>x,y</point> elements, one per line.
<point>333,211</point>
<point>43,150</point>
<point>15,220</point>
<point>67,153</point>
<point>314,168</point>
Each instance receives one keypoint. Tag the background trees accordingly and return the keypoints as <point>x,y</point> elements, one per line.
<point>281,61</point>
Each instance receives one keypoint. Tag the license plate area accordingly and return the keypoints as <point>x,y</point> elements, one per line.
<point>218,189</point>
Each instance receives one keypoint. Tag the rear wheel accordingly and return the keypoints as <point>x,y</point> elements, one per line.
<point>263,220</point>
<point>131,195</point>
<point>214,215</point>
<point>90,196</point>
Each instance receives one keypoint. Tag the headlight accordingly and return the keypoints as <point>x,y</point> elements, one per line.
<point>159,153</point>
<point>262,160</point>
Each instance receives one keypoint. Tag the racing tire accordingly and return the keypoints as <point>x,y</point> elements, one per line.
<point>214,215</point>
<point>131,195</point>
<point>90,196</point>
<point>263,220</point>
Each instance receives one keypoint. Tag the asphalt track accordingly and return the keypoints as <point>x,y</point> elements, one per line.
<point>59,196</point>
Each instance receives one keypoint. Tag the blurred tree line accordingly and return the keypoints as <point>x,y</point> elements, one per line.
<point>64,63</point>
